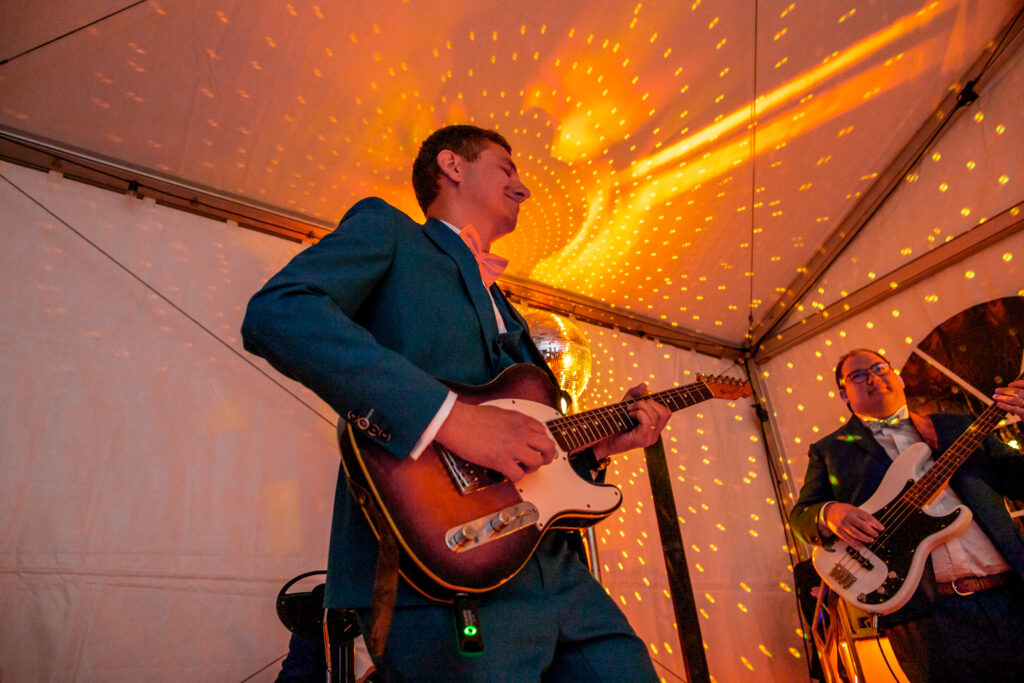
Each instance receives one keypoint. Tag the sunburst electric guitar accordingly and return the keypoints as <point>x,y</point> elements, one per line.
<point>464,528</point>
<point>880,577</point>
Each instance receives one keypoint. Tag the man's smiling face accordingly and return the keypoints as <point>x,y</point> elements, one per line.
<point>877,396</point>
<point>492,188</point>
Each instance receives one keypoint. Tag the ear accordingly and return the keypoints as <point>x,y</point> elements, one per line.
<point>842,395</point>
<point>450,164</point>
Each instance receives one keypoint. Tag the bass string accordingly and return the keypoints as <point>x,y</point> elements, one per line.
<point>923,489</point>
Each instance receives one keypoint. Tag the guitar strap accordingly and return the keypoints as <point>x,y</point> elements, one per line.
<point>385,581</point>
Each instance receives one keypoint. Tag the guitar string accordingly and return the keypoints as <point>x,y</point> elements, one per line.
<point>620,418</point>
<point>615,416</point>
<point>924,488</point>
<point>673,393</point>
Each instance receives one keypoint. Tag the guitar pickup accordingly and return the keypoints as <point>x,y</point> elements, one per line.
<point>485,529</point>
<point>859,558</point>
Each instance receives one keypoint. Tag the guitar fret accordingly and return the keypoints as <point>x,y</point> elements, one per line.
<point>590,426</point>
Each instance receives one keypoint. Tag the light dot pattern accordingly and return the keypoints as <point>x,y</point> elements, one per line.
<point>663,184</point>
<point>726,510</point>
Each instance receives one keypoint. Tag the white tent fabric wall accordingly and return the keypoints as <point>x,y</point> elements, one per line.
<point>971,174</point>
<point>734,544</point>
<point>159,489</point>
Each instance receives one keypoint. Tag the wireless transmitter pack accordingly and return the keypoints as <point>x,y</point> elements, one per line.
<point>467,626</point>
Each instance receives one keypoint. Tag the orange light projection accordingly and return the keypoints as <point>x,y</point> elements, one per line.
<point>631,122</point>
<point>728,516</point>
<point>622,200</point>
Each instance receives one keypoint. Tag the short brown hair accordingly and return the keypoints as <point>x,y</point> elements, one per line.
<point>466,141</point>
<point>843,358</point>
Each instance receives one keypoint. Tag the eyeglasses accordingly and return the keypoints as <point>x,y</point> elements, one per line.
<point>860,376</point>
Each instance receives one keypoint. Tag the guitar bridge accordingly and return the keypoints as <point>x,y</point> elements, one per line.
<point>468,477</point>
<point>842,576</point>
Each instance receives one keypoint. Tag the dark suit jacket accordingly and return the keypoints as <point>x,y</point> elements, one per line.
<point>368,318</point>
<point>848,466</point>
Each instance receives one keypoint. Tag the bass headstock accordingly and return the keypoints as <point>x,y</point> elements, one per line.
<point>726,387</point>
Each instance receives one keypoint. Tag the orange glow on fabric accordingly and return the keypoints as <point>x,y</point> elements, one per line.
<point>794,88</point>
<point>606,235</point>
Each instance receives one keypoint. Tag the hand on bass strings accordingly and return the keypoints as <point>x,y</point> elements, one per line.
<point>1011,398</point>
<point>851,524</point>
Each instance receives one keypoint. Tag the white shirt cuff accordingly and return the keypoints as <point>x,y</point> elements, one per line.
<point>434,427</point>
<point>822,524</point>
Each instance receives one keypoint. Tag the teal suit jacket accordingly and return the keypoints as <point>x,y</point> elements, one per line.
<point>369,318</point>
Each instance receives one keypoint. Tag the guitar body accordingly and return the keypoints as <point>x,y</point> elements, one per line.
<point>452,540</point>
<point>881,577</point>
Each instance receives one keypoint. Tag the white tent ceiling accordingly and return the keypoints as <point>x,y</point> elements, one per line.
<point>631,121</point>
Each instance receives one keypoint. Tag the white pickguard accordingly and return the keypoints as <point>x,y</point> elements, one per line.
<point>556,489</point>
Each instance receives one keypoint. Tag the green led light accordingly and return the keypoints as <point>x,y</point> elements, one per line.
<point>469,630</point>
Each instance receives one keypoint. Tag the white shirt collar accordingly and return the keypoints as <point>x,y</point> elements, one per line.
<point>902,414</point>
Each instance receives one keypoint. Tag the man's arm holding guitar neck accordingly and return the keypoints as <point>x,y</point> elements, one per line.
<point>652,418</point>
<point>516,444</point>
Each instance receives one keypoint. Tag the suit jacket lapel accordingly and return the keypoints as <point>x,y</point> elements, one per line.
<point>534,354</point>
<point>926,429</point>
<point>857,434</point>
<point>449,242</point>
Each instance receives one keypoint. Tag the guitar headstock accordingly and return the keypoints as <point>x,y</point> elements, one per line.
<point>726,387</point>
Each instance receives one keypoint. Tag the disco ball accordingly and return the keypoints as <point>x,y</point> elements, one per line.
<point>564,347</point>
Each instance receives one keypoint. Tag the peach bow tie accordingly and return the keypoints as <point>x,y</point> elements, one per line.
<point>491,265</point>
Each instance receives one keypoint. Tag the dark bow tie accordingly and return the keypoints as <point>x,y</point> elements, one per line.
<point>887,426</point>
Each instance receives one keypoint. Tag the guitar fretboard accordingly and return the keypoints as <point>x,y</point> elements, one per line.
<point>925,488</point>
<point>573,432</point>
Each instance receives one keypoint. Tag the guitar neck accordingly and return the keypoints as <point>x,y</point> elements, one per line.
<point>935,478</point>
<point>573,432</point>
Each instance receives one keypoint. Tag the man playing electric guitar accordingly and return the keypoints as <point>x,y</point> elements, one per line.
<point>965,621</point>
<point>371,318</point>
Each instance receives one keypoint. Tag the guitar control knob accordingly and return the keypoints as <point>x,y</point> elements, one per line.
<point>501,520</point>
<point>464,534</point>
